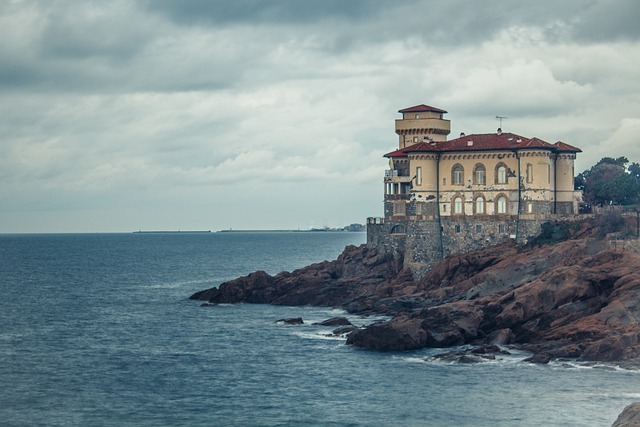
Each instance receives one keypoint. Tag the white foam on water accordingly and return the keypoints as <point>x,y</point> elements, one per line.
<point>318,336</point>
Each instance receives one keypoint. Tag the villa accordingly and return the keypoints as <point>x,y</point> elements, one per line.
<point>446,196</point>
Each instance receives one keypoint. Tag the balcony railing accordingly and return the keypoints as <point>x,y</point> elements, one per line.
<point>395,172</point>
<point>397,196</point>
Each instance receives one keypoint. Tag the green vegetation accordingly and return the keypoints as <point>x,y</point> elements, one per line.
<point>554,232</point>
<point>610,182</point>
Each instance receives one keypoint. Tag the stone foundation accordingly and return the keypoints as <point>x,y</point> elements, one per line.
<point>420,243</point>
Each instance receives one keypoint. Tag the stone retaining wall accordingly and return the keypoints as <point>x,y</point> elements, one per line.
<point>421,243</point>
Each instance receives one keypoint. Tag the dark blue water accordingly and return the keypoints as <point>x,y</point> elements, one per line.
<point>97,330</point>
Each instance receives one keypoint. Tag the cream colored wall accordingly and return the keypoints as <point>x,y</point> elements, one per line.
<point>429,173</point>
<point>539,186</point>
<point>565,180</point>
<point>469,191</point>
<point>422,115</point>
<point>412,130</point>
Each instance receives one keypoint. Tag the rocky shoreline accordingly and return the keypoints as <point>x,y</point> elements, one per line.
<point>578,299</point>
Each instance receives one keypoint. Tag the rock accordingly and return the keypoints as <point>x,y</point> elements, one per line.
<point>471,355</point>
<point>629,417</point>
<point>540,358</point>
<point>344,330</point>
<point>291,321</point>
<point>357,279</point>
<point>334,321</point>
<point>574,299</point>
<point>467,359</point>
<point>488,349</point>
<point>400,333</point>
<point>501,337</point>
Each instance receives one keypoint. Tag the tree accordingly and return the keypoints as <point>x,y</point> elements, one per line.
<point>610,182</point>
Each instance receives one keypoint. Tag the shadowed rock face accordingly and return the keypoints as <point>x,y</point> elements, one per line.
<point>357,279</point>
<point>579,298</point>
<point>630,417</point>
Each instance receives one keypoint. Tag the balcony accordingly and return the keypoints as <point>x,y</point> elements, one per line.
<point>397,196</point>
<point>395,175</point>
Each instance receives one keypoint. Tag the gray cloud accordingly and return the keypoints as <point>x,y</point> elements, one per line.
<point>250,11</point>
<point>124,115</point>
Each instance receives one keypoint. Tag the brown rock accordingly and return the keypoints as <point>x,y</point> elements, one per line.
<point>629,417</point>
<point>400,333</point>
<point>334,321</point>
<point>501,337</point>
<point>540,358</point>
<point>578,298</point>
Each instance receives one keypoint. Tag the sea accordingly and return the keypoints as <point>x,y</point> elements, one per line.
<point>98,330</point>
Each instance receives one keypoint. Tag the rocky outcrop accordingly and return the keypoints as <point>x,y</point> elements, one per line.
<point>630,416</point>
<point>357,279</point>
<point>335,321</point>
<point>574,299</point>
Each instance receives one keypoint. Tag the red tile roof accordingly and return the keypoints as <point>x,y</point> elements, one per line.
<point>483,142</point>
<point>562,147</point>
<point>421,108</point>
<point>397,153</point>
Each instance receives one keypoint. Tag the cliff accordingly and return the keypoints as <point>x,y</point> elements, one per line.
<point>578,298</point>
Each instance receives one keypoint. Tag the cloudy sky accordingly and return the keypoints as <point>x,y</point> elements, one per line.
<point>206,114</point>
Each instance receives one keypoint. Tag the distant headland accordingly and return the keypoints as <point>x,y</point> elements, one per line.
<point>171,231</point>
<point>354,228</point>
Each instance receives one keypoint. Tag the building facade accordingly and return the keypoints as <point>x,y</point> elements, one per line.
<point>444,196</point>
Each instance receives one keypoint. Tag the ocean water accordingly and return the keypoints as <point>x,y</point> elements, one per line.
<point>97,330</point>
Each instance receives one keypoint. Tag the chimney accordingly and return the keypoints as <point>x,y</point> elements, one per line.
<point>469,143</point>
<point>499,131</point>
<point>461,134</point>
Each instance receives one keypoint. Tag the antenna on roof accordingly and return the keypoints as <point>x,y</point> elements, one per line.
<point>501,118</point>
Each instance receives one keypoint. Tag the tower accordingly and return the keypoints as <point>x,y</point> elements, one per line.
<point>420,122</point>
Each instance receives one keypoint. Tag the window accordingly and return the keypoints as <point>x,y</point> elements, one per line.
<point>415,139</point>
<point>444,208</point>
<point>549,174</point>
<point>501,228</point>
<point>444,181</point>
<point>417,116</point>
<point>457,228</point>
<point>399,209</point>
<point>457,175</point>
<point>501,205</point>
<point>398,229</point>
<point>529,173</point>
<point>501,174</point>
<point>478,228</point>
<point>529,207</point>
<point>479,205</point>
<point>479,175</point>
<point>457,205</point>
<point>419,175</point>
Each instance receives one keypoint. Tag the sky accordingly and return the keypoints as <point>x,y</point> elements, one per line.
<point>118,116</point>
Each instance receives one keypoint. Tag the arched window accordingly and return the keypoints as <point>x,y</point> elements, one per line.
<point>501,205</point>
<point>479,175</point>
<point>479,205</point>
<point>398,229</point>
<point>501,174</point>
<point>457,175</point>
<point>457,205</point>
